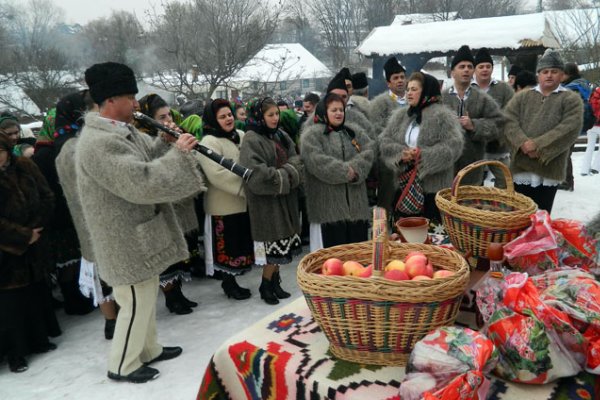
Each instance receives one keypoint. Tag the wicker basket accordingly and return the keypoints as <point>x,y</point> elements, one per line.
<point>376,320</point>
<point>475,216</point>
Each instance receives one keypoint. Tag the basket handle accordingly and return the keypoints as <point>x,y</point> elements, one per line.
<point>460,175</point>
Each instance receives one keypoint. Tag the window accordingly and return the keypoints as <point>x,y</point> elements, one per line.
<point>305,83</point>
<point>282,85</point>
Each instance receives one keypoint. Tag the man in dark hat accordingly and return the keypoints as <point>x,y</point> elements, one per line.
<point>512,74</point>
<point>360,97</point>
<point>384,104</point>
<point>501,92</point>
<point>309,103</point>
<point>127,183</point>
<point>478,114</point>
<point>542,125</point>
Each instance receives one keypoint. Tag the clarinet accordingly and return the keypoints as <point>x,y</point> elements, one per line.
<point>227,163</point>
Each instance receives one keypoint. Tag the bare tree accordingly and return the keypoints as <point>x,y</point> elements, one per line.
<point>379,13</point>
<point>578,32</point>
<point>296,16</point>
<point>342,26</point>
<point>215,40</point>
<point>38,63</point>
<point>117,38</point>
<point>490,8</point>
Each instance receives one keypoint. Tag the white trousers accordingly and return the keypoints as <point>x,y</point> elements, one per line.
<point>592,138</point>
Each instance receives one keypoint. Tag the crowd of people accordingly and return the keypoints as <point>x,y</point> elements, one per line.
<point>112,208</point>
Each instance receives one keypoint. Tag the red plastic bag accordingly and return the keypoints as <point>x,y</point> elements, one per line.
<point>449,363</point>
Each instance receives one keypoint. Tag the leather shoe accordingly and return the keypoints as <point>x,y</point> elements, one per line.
<point>167,354</point>
<point>140,375</point>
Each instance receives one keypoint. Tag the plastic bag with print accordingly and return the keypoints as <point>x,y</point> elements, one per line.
<point>537,343</point>
<point>449,363</point>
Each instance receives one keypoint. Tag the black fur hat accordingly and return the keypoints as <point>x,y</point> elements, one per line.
<point>359,80</point>
<point>483,56</point>
<point>337,83</point>
<point>110,79</point>
<point>391,67</point>
<point>463,54</point>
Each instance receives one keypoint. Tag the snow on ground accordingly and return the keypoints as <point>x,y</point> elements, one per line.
<point>77,369</point>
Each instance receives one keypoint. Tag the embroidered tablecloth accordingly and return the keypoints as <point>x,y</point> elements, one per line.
<point>285,356</point>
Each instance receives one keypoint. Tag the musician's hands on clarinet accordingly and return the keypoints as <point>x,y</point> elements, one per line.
<point>171,125</point>
<point>186,142</point>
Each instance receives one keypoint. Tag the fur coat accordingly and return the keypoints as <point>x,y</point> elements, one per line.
<point>272,191</point>
<point>26,202</point>
<point>440,141</point>
<point>330,196</point>
<point>127,184</point>
<point>487,121</point>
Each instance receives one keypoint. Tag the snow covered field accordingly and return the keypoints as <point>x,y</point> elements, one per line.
<point>77,369</point>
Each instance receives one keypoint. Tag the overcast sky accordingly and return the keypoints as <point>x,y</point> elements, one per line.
<point>82,11</point>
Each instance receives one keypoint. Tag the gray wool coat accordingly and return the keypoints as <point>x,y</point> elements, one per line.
<point>362,104</point>
<point>488,124</point>
<point>330,196</point>
<point>272,192</point>
<point>440,141</point>
<point>127,184</point>
<point>381,110</point>
<point>501,92</point>
<point>356,117</point>
<point>65,168</point>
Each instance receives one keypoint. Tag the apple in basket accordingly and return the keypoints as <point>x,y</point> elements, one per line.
<point>366,271</point>
<point>396,275</point>
<point>442,273</point>
<point>332,266</point>
<point>418,264</point>
<point>353,268</point>
<point>395,264</point>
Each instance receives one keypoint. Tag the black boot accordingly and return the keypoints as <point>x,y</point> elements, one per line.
<point>266,292</point>
<point>241,289</point>
<point>276,282</point>
<point>182,298</point>
<point>232,289</point>
<point>109,328</point>
<point>174,303</point>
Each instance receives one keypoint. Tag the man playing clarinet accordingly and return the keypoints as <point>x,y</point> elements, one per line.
<point>127,182</point>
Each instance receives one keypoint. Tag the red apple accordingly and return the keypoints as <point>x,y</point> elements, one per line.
<point>417,265</point>
<point>421,278</point>
<point>416,254</point>
<point>352,268</point>
<point>429,268</point>
<point>333,266</point>
<point>366,271</point>
<point>396,275</point>
<point>442,273</point>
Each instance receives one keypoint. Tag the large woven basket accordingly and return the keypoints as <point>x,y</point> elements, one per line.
<point>475,216</point>
<point>376,320</point>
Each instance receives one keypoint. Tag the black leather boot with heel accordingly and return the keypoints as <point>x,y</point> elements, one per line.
<point>232,289</point>
<point>277,289</point>
<point>266,292</point>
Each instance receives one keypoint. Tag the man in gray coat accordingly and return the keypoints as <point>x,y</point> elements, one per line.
<point>127,183</point>
<point>501,92</point>
<point>477,113</point>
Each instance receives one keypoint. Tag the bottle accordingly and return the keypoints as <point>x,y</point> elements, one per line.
<point>495,253</point>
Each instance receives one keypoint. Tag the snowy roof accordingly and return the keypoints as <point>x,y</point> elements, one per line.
<point>282,62</point>
<point>439,37</point>
<point>423,18</point>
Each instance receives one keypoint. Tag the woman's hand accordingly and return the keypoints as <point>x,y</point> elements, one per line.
<point>408,154</point>
<point>35,235</point>
<point>352,175</point>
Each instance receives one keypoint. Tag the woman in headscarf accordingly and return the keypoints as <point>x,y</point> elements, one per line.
<point>26,204</point>
<point>227,239</point>
<point>432,129</point>
<point>272,194</point>
<point>171,279</point>
<point>64,249</point>
<point>337,157</point>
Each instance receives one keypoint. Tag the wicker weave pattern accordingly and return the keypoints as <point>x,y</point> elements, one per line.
<point>472,228</point>
<point>376,320</point>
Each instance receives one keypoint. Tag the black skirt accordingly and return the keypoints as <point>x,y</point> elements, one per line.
<point>232,246</point>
